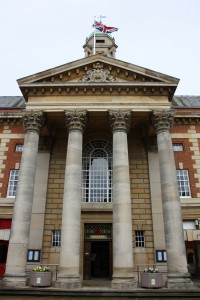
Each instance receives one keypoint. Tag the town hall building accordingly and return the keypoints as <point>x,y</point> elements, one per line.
<point>100,174</point>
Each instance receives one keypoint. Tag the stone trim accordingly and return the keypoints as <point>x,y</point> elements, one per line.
<point>99,88</point>
<point>162,121</point>
<point>7,118</point>
<point>76,119</point>
<point>33,120</point>
<point>187,119</point>
<point>119,120</point>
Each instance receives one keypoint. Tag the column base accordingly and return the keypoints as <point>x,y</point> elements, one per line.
<point>123,283</point>
<point>179,281</point>
<point>15,281</point>
<point>66,282</point>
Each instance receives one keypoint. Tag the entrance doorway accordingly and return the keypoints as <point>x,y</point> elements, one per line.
<point>3,256</point>
<point>100,260</point>
<point>97,260</point>
<point>193,257</point>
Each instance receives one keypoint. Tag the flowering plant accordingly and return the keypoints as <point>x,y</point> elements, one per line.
<point>151,270</point>
<point>41,269</point>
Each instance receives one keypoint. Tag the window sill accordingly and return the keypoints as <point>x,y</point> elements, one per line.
<point>190,201</point>
<point>104,206</point>
<point>140,250</point>
<point>55,249</point>
<point>7,201</point>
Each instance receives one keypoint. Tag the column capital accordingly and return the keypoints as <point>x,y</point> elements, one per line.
<point>162,120</point>
<point>33,120</point>
<point>119,120</point>
<point>76,119</point>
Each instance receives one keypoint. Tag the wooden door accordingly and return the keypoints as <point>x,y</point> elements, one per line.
<point>97,260</point>
<point>87,261</point>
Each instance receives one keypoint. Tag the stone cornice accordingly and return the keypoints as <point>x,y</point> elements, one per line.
<point>187,118</point>
<point>99,88</point>
<point>7,118</point>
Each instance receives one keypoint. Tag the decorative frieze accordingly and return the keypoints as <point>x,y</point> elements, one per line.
<point>119,120</point>
<point>76,119</point>
<point>162,120</point>
<point>33,120</point>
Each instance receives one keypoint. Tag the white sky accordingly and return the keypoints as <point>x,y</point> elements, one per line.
<point>162,35</point>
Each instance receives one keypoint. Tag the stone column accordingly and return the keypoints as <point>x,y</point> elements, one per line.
<point>178,276</point>
<point>15,274</point>
<point>123,277</point>
<point>69,274</point>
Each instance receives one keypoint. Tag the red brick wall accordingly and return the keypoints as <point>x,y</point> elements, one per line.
<point>185,157</point>
<point>13,157</point>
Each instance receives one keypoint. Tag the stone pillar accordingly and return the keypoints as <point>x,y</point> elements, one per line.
<point>69,273</point>
<point>178,276</point>
<point>123,277</point>
<point>15,275</point>
<point>156,198</point>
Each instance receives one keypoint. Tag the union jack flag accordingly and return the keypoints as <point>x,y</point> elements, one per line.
<point>103,28</point>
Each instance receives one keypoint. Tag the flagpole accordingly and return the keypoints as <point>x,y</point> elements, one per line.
<point>94,32</point>
<point>94,38</point>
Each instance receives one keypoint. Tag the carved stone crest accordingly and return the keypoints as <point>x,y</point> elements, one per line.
<point>98,74</point>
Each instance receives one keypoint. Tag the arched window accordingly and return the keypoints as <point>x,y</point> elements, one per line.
<point>97,172</point>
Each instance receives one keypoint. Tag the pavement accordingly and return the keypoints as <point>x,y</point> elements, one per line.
<point>99,289</point>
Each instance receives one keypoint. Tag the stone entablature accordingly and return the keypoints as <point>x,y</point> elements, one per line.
<point>98,88</point>
<point>187,118</point>
<point>7,118</point>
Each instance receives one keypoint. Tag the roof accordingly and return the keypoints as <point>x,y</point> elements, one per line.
<point>12,102</point>
<point>185,102</point>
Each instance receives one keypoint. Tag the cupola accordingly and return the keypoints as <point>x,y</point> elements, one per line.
<point>104,44</point>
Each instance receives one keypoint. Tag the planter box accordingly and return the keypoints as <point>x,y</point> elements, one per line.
<point>151,280</point>
<point>40,279</point>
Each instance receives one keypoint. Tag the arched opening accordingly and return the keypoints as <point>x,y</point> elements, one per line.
<point>97,172</point>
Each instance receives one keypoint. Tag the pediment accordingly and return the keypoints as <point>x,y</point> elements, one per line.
<point>97,71</point>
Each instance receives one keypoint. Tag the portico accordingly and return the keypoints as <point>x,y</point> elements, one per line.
<point>99,113</point>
